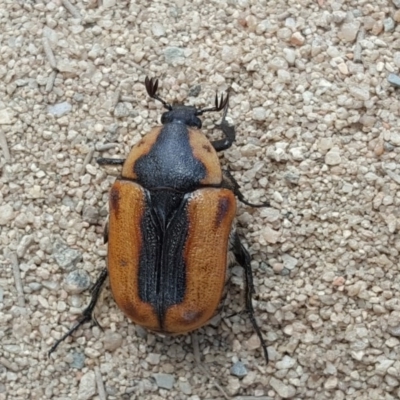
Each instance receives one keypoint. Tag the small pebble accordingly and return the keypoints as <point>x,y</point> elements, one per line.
<point>164,381</point>
<point>238,369</point>
<point>297,39</point>
<point>259,113</point>
<point>112,341</point>
<point>153,359</point>
<point>290,55</point>
<point>185,387</point>
<point>108,3</point>
<point>249,150</point>
<point>65,256</point>
<point>194,91</point>
<point>388,24</point>
<point>332,157</point>
<point>349,31</point>
<point>283,390</point>
<point>174,55</point>
<point>233,386</point>
<point>289,262</point>
<point>286,363</point>
<point>87,386</point>
<point>292,177</point>
<point>360,93</point>
<point>270,235</point>
<point>77,281</point>
<point>342,67</point>
<point>395,138</point>
<point>60,109</point>
<point>253,343</point>
<point>394,330</point>
<point>331,383</point>
<point>78,360</point>
<point>91,214</point>
<point>6,214</point>
<point>394,79</point>
<point>157,29</point>
<point>5,118</point>
<point>123,110</point>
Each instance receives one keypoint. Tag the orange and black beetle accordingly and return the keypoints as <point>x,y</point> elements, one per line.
<point>171,225</point>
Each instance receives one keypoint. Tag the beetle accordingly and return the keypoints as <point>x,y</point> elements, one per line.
<point>171,225</point>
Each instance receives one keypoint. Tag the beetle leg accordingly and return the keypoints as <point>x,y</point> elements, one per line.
<point>88,311</point>
<point>230,182</point>
<point>227,141</point>
<point>105,233</point>
<point>228,130</point>
<point>243,258</point>
<point>110,161</point>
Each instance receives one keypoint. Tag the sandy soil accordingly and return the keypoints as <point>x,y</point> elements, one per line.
<point>314,101</point>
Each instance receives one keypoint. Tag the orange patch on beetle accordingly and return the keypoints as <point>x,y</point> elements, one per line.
<point>205,254</point>
<point>206,154</point>
<point>140,149</point>
<point>124,247</point>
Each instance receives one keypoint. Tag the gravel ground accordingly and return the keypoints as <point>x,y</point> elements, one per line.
<point>314,100</point>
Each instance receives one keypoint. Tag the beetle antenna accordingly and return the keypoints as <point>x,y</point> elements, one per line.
<point>151,87</point>
<point>222,103</point>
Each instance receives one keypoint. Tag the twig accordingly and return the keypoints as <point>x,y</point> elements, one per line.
<point>136,65</point>
<point>105,146</point>
<point>358,49</point>
<point>128,99</point>
<point>50,81</point>
<point>197,359</point>
<point>115,100</point>
<point>49,53</point>
<point>100,385</point>
<point>87,159</point>
<point>71,8</point>
<point>4,146</point>
<point>17,279</point>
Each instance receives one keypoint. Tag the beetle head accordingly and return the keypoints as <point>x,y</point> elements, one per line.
<point>187,115</point>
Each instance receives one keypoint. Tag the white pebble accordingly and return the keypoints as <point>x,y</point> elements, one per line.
<point>349,31</point>
<point>259,113</point>
<point>332,157</point>
<point>286,363</point>
<point>6,214</point>
<point>289,262</point>
<point>5,117</point>
<point>270,235</point>
<point>87,386</point>
<point>283,390</point>
<point>158,29</point>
